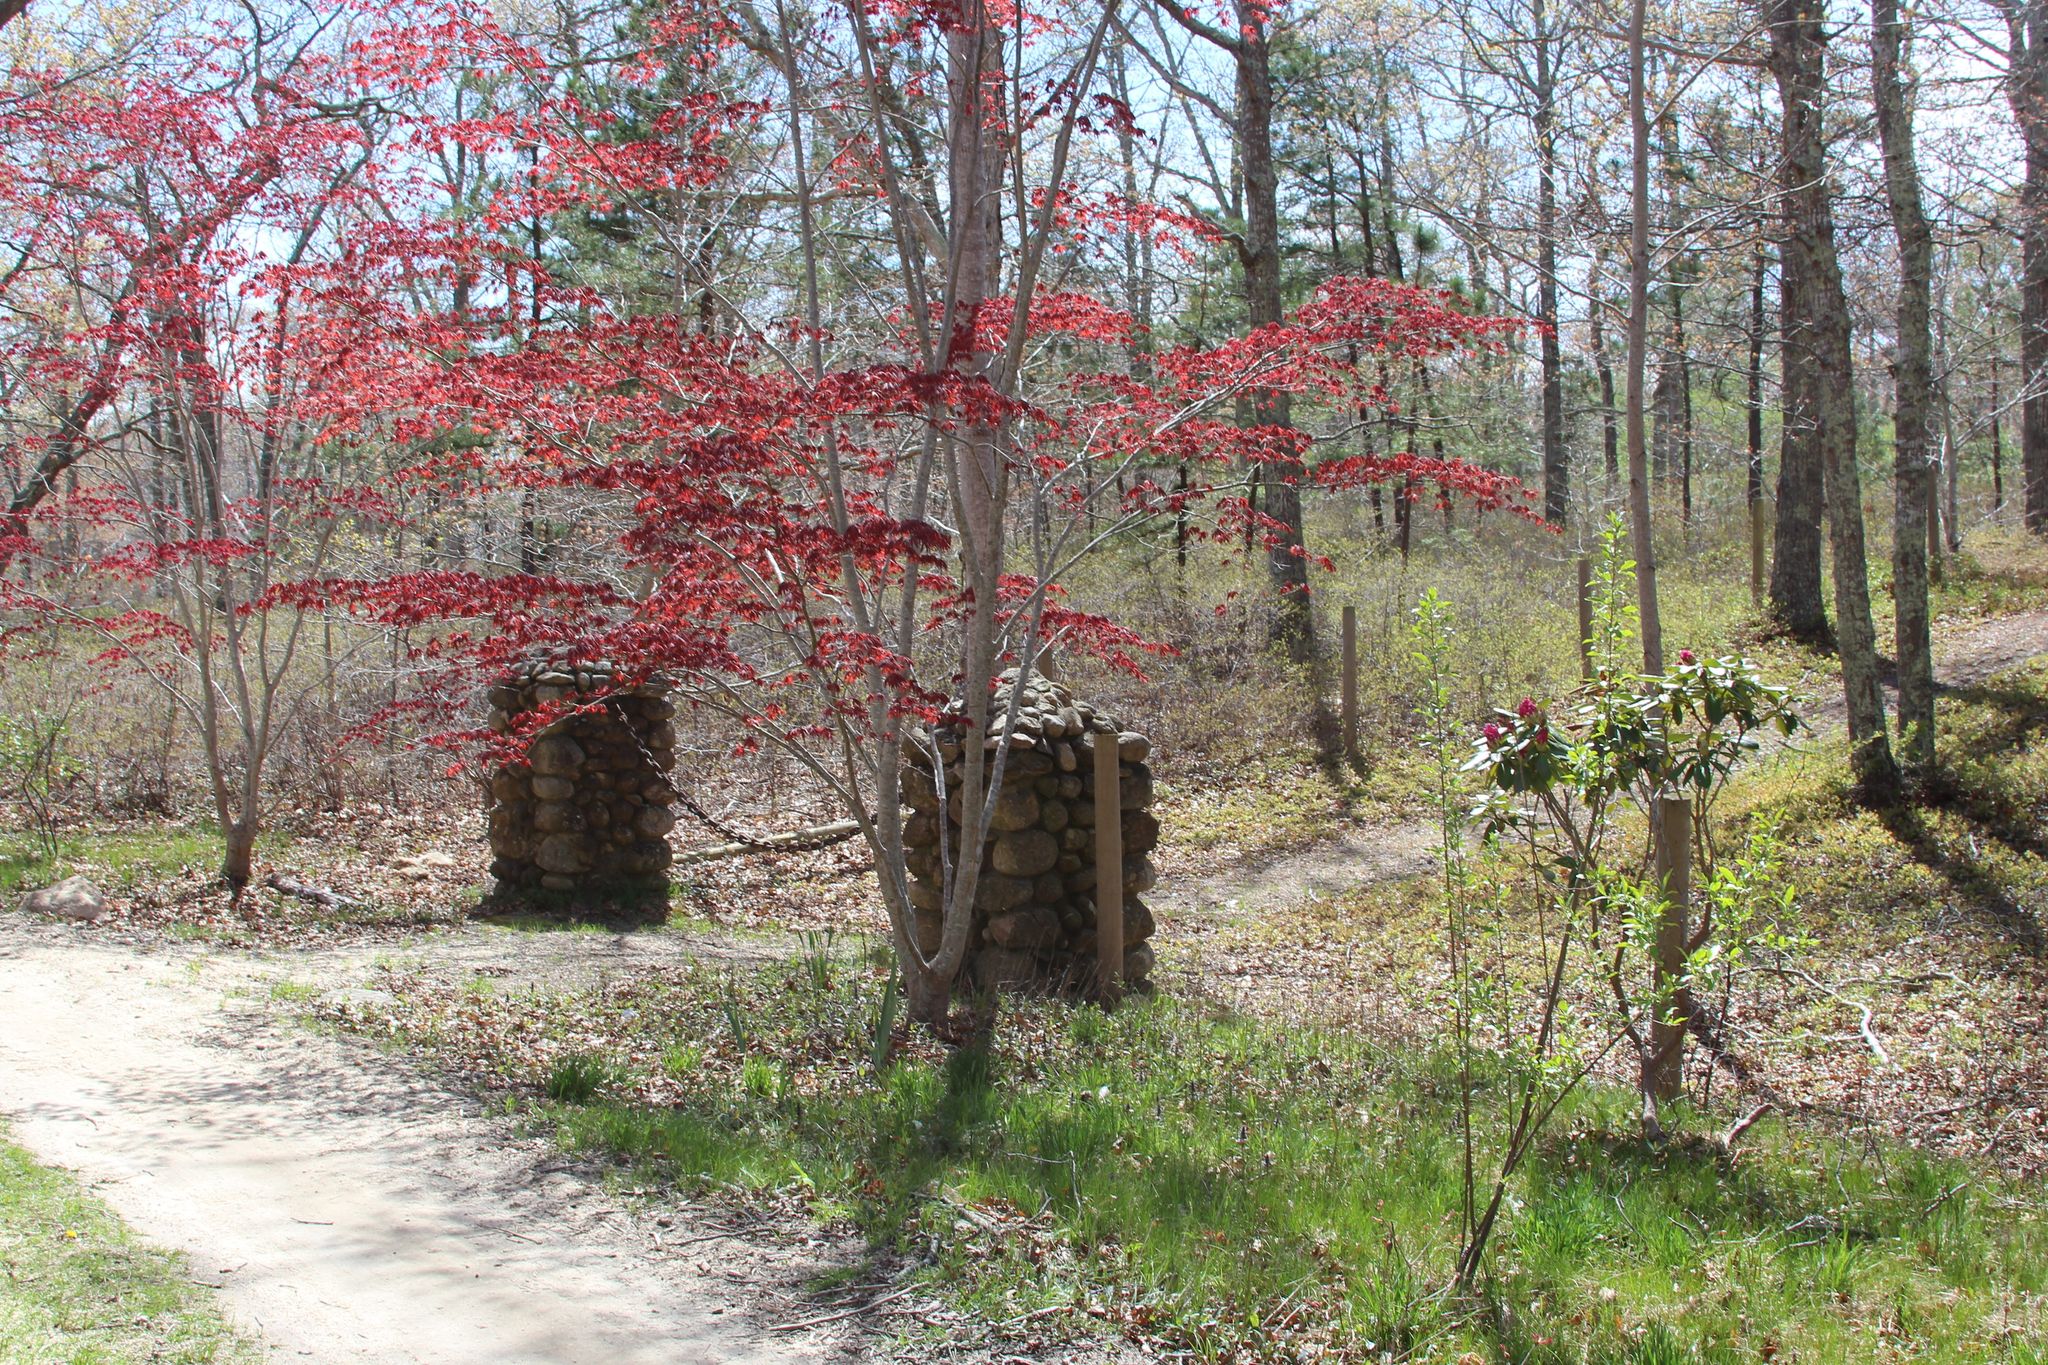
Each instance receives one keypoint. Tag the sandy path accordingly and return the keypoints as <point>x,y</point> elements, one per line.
<point>349,1210</point>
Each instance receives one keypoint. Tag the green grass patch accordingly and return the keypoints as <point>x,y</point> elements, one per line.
<point>122,857</point>
<point>80,1289</point>
<point>1292,802</point>
<point>1967,858</point>
<point>1241,1190</point>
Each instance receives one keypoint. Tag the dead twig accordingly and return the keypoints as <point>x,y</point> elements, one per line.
<point>843,1314</point>
<point>1743,1125</point>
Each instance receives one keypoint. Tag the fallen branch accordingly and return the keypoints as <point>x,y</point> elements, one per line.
<point>800,838</point>
<point>306,891</point>
<point>1743,1125</point>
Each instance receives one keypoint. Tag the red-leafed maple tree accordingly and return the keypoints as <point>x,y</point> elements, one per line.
<point>812,508</point>
<point>798,503</point>
<point>171,220</point>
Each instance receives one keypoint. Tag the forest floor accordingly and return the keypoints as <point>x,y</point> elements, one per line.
<point>352,1208</point>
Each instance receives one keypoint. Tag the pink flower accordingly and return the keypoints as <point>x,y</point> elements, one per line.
<point>1527,708</point>
<point>1685,656</point>
<point>1543,734</point>
<point>1491,731</point>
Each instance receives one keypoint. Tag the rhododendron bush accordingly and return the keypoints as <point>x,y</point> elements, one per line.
<point>819,495</point>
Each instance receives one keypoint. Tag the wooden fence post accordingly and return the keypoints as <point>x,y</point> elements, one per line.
<point>1109,869</point>
<point>1350,681</point>
<point>1674,878</point>
<point>1585,618</point>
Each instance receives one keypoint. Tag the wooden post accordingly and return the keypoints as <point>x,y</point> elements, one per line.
<point>1586,618</point>
<point>1665,1067</point>
<point>1350,681</point>
<point>1756,551</point>
<point>1109,869</point>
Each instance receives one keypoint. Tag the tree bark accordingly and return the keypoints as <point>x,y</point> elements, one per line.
<point>1293,628</point>
<point>1913,480</point>
<point>977,473</point>
<point>2027,92</point>
<point>1798,59</point>
<point>1556,464</point>
<point>1754,390</point>
<point>1795,595</point>
<point>1603,366</point>
<point>1641,541</point>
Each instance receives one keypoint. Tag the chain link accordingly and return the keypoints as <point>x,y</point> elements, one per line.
<point>766,843</point>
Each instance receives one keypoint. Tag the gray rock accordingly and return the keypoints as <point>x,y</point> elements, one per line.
<point>1133,747</point>
<point>555,755</point>
<point>1034,926</point>
<point>556,817</point>
<point>1016,808</point>
<point>1026,853</point>
<point>654,821</point>
<point>996,968</point>
<point>74,898</point>
<point>994,893</point>
<point>562,854</point>
<point>551,789</point>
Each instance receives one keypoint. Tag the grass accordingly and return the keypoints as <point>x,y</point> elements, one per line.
<point>123,857</point>
<point>1968,858</point>
<point>1244,1190</point>
<point>80,1289</point>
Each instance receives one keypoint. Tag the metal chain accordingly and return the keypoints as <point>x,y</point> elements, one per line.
<point>770,843</point>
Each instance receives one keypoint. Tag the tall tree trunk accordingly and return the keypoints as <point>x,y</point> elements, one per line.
<point>1665,961</point>
<point>1603,367</point>
<point>1556,464</point>
<point>1293,629</point>
<point>977,472</point>
<point>1798,59</point>
<point>2027,90</point>
<point>1913,483</point>
<point>1795,594</point>
<point>1640,537</point>
<point>1754,388</point>
<point>1997,443</point>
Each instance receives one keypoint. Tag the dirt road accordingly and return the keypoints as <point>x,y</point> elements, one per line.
<point>349,1210</point>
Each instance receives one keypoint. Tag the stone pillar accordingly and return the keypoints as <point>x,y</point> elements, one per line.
<point>587,810</point>
<point>1034,909</point>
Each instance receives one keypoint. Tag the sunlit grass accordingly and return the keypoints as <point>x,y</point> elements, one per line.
<point>1226,1185</point>
<point>119,857</point>
<point>79,1289</point>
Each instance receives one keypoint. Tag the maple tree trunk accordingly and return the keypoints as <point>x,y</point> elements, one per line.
<point>1913,472</point>
<point>1798,58</point>
<point>11,9</point>
<point>238,856</point>
<point>977,473</point>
